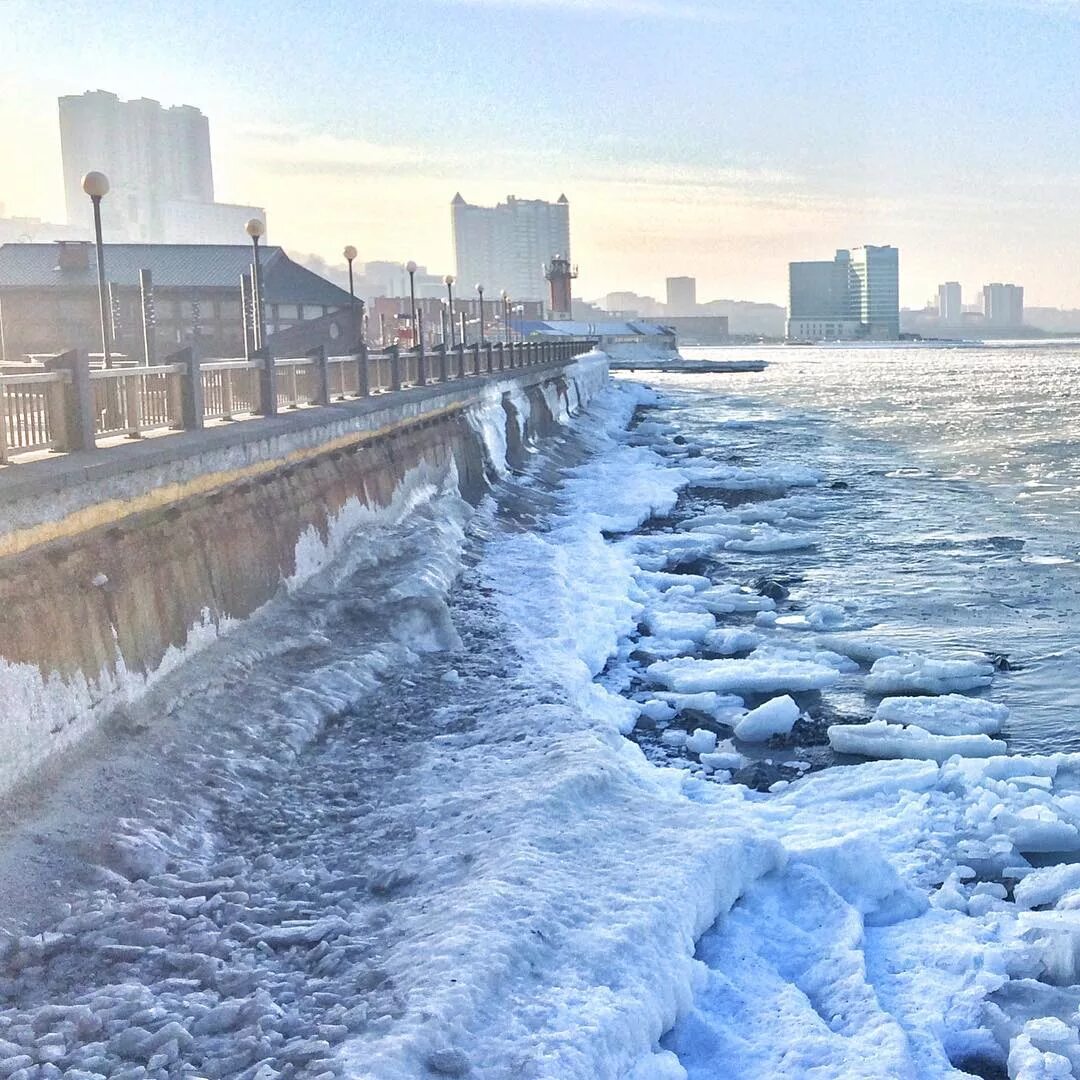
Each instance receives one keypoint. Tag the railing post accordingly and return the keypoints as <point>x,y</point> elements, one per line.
<point>131,403</point>
<point>489,349</point>
<point>395,367</point>
<point>421,364</point>
<point>192,409</point>
<point>444,370</point>
<point>459,361</point>
<point>502,356</point>
<point>267,382</point>
<point>79,403</point>
<point>363,381</point>
<point>322,375</point>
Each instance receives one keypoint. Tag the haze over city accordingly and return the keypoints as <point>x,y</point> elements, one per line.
<point>717,140</point>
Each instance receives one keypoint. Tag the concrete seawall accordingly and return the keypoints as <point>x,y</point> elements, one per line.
<point>116,566</point>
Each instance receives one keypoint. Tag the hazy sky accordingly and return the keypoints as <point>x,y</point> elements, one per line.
<point>718,139</point>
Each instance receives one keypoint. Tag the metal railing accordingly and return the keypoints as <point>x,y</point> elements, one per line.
<point>65,405</point>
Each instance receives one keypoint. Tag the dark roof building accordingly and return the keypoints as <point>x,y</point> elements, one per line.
<point>48,296</point>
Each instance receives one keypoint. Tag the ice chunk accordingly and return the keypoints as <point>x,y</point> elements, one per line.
<point>657,711</point>
<point>950,714</point>
<point>701,742</point>
<point>723,760</point>
<point>674,738</point>
<point>682,625</point>
<point>687,676</point>
<point>914,674</point>
<point>728,641</point>
<point>1047,885</point>
<point>767,538</point>
<point>879,739</point>
<point>775,717</point>
<point>1028,1063</point>
<point>860,649</point>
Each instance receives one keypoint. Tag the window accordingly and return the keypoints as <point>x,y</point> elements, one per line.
<point>288,311</point>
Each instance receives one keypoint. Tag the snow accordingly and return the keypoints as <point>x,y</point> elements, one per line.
<point>775,717</point>
<point>879,739</point>
<point>951,714</point>
<point>914,674</point>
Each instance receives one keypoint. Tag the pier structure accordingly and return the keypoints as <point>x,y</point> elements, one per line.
<point>145,511</point>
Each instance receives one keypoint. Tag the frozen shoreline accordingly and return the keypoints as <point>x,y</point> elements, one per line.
<point>475,873</point>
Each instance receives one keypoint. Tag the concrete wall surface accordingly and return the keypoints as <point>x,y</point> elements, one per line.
<point>117,565</point>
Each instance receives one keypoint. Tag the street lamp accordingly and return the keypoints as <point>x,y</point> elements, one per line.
<point>350,254</point>
<point>506,314</point>
<point>410,267</point>
<point>255,229</point>
<point>449,279</point>
<point>96,185</point>
<point>480,290</point>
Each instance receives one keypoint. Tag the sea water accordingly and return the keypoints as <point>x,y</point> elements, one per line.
<point>957,474</point>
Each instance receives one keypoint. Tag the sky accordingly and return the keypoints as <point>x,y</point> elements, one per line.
<point>715,138</point>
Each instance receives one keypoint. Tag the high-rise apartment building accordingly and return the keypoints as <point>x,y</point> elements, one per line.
<point>161,180</point>
<point>855,295</point>
<point>1003,305</point>
<point>507,246</point>
<point>681,295</point>
<point>950,303</point>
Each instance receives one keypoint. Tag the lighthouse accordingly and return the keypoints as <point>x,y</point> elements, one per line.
<point>559,274</point>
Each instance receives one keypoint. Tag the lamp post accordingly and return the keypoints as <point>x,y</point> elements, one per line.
<point>480,291</point>
<point>96,185</point>
<point>506,314</point>
<point>350,254</point>
<point>410,267</point>
<point>255,229</point>
<point>449,279</point>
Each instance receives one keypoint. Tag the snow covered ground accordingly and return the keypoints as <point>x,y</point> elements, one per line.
<point>398,830</point>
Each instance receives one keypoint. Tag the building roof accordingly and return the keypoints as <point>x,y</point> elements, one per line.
<point>196,266</point>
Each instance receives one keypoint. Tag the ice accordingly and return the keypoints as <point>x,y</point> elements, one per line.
<point>950,714</point>
<point>688,676</point>
<point>861,649</point>
<point>1046,886</point>
<point>701,742</point>
<point>879,739</point>
<point>728,641</point>
<point>766,539</point>
<point>914,674</point>
<point>775,717</point>
<point>657,711</point>
<point>684,625</point>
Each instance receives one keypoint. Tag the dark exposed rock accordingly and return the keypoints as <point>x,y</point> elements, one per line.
<point>770,587</point>
<point>761,776</point>
<point>839,485</point>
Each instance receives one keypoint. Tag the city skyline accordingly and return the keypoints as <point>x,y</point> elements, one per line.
<point>697,171</point>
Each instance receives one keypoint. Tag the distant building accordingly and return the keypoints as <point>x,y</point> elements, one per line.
<point>950,307</point>
<point>630,305</point>
<point>159,168</point>
<point>681,295</point>
<point>876,272</point>
<point>699,329</point>
<point>48,295</point>
<point>507,246</point>
<point>856,295</point>
<point>1003,305</point>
